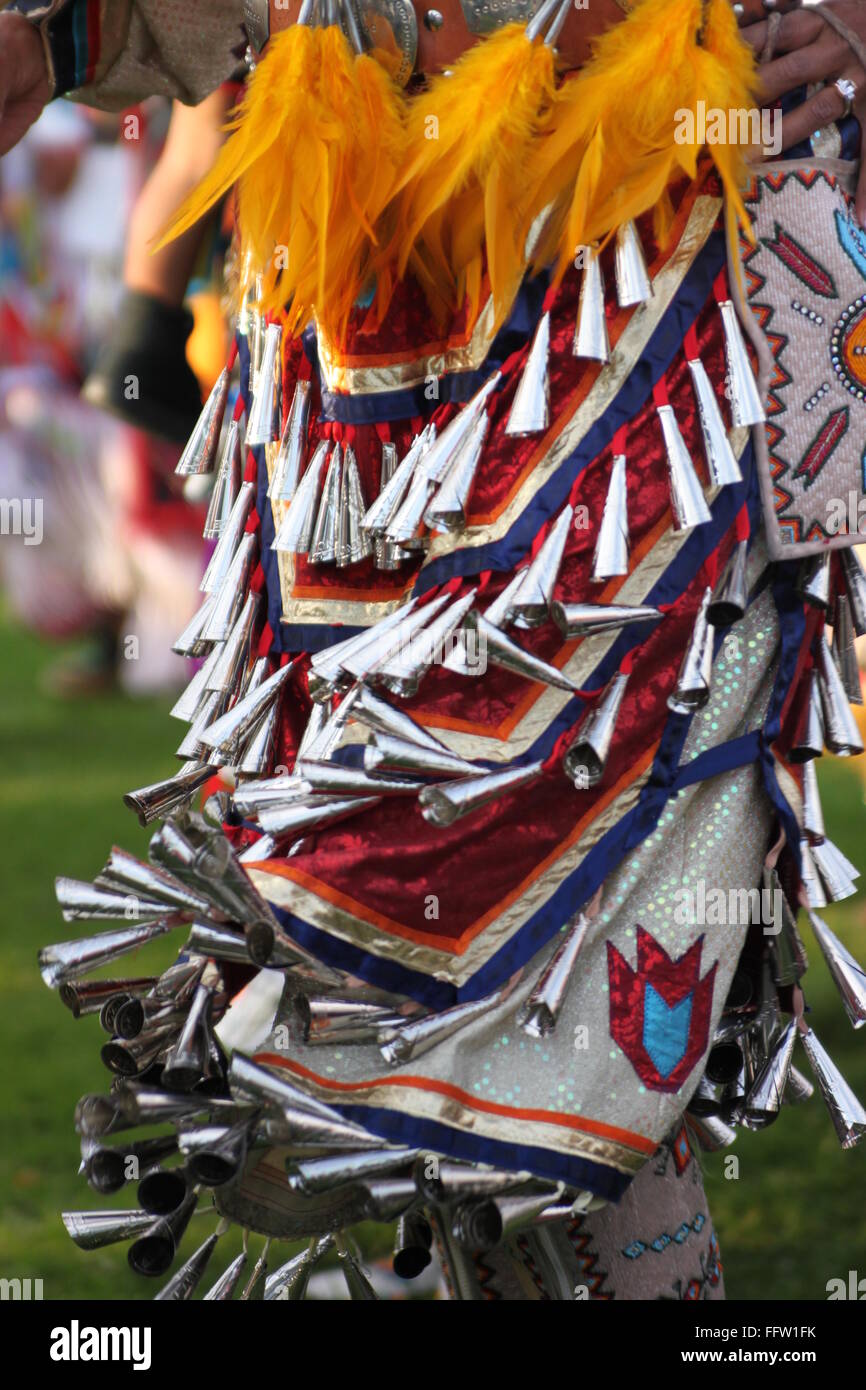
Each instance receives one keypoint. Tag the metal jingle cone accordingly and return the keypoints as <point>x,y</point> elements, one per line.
<point>840,727</point>
<point>226,487</point>
<point>846,1112</point>
<point>731,595</point>
<point>529,410</point>
<point>747,408</point>
<point>501,611</point>
<point>810,742</point>
<point>339,779</point>
<point>799,1088</point>
<point>496,647</point>
<point>190,700</point>
<point>327,666</point>
<point>331,1017</point>
<point>848,975</point>
<point>154,1250</point>
<point>185,1063</point>
<point>158,800</point>
<point>106,1169</point>
<point>323,546</point>
<point>201,448</point>
<point>293,820</point>
<point>90,903</point>
<point>692,690</point>
<point>393,490</point>
<point>411,1040</point>
<point>388,555</point>
<point>254,1289</point>
<point>843,651</point>
<point>585,759</point>
<point>295,532</point>
<point>711,1132</point>
<point>835,880</point>
<point>304,1130</point>
<point>242,718</point>
<point>290,458</point>
<point>449,801</point>
<point>359,1286</point>
<point>312,1176</point>
<point>388,639</point>
<point>447,511</point>
<point>531,604</point>
<point>539,1014</point>
<point>248,797</point>
<point>385,752</point>
<point>413,1243</point>
<point>787,952</point>
<point>848,869</point>
<point>813,816</point>
<point>388,1198</point>
<point>812,885</point>
<point>814,581</point>
<point>290,1281</point>
<point>163,1190</point>
<point>764,1097</point>
<point>519,1211</point>
<point>92,1230</point>
<point>477,1225</point>
<point>260,426</point>
<point>84,997</point>
<point>226,672</point>
<point>611,548</point>
<point>688,504</point>
<point>66,960</point>
<point>233,591</point>
<point>190,641</point>
<point>156,883</point>
<point>590,331</point>
<point>223,1290</point>
<point>855,588</point>
<point>375,713</point>
<point>265,847</point>
<point>253,1082</point>
<point>184,1283</point>
<point>446,448</point>
<point>403,671</point>
<point>226,547</point>
<point>222,943</point>
<point>130,1107</point>
<point>132,1057</point>
<point>589,619</point>
<point>633,285</point>
<point>442,1182</point>
<point>722,465</point>
<point>258,755</point>
<point>360,543</point>
<point>212,706</point>
<point>406,528</point>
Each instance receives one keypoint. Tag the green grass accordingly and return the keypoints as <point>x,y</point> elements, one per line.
<point>793,1219</point>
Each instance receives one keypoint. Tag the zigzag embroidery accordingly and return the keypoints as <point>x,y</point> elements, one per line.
<point>587,1260</point>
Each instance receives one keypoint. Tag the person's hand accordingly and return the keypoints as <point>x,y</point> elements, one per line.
<point>25,87</point>
<point>808,51</point>
<point>753,11</point>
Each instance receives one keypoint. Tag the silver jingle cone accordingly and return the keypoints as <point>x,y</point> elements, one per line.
<point>445,450</point>
<point>388,1198</point>
<point>359,544</point>
<point>226,547</point>
<point>846,1112</point>
<point>590,330</point>
<point>232,593</point>
<point>799,1088</point>
<point>611,549</point>
<point>747,408</point>
<point>442,1182</point>
<point>225,674</point>
<point>260,427</point>
<point>227,485</point>
<point>633,285</point>
<point>731,595</point>
<point>190,642</point>
<point>848,975</point>
<point>833,873</point>
<point>813,816</point>
<point>389,639</point>
<point>539,1014</point>
<point>501,611</point>
<point>810,743</point>
<point>388,555</point>
<point>289,1282</point>
<point>531,603</point>
<point>258,756</point>
<point>711,1133</point>
<point>250,1081</point>
<point>295,820</point>
<point>688,504</point>
<point>90,902</point>
<point>812,886</point>
<point>184,1283</point>
<point>339,779</point>
<point>160,799</point>
<point>385,751</point>
<point>692,690</point>
<point>359,1286</point>
<point>587,755</point>
<point>295,532</point>
<point>393,489</point>
<point>412,1246</point>
<point>476,1225</point>
<point>840,727</point>
<point>243,717</point>
<point>312,1176</point>
<point>855,588</point>
<point>223,1289</point>
<point>403,671</point>
<point>447,511</point>
<point>107,1169</point>
<point>517,1212</point>
<point>327,666</point>
<point>375,713</point>
<point>843,651</point>
<point>412,1040</point>
<point>152,1253</point>
<point>787,952</point>
<point>201,449</point>
<point>91,1230</point>
<point>83,997</point>
<point>449,801</point>
<point>189,702</point>
<point>406,528</point>
<point>764,1098</point>
<point>813,581</point>
<point>722,464</point>
<point>589,619</point>
<point>323,546</point>
<point>66,960</point>
<point>332,1019</point>
<point>493,645</point>
<point>220,942</point>
<point>290,457</point>
<point>185,1063</point>
<point>529,410</point>
<point>156,883</point>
